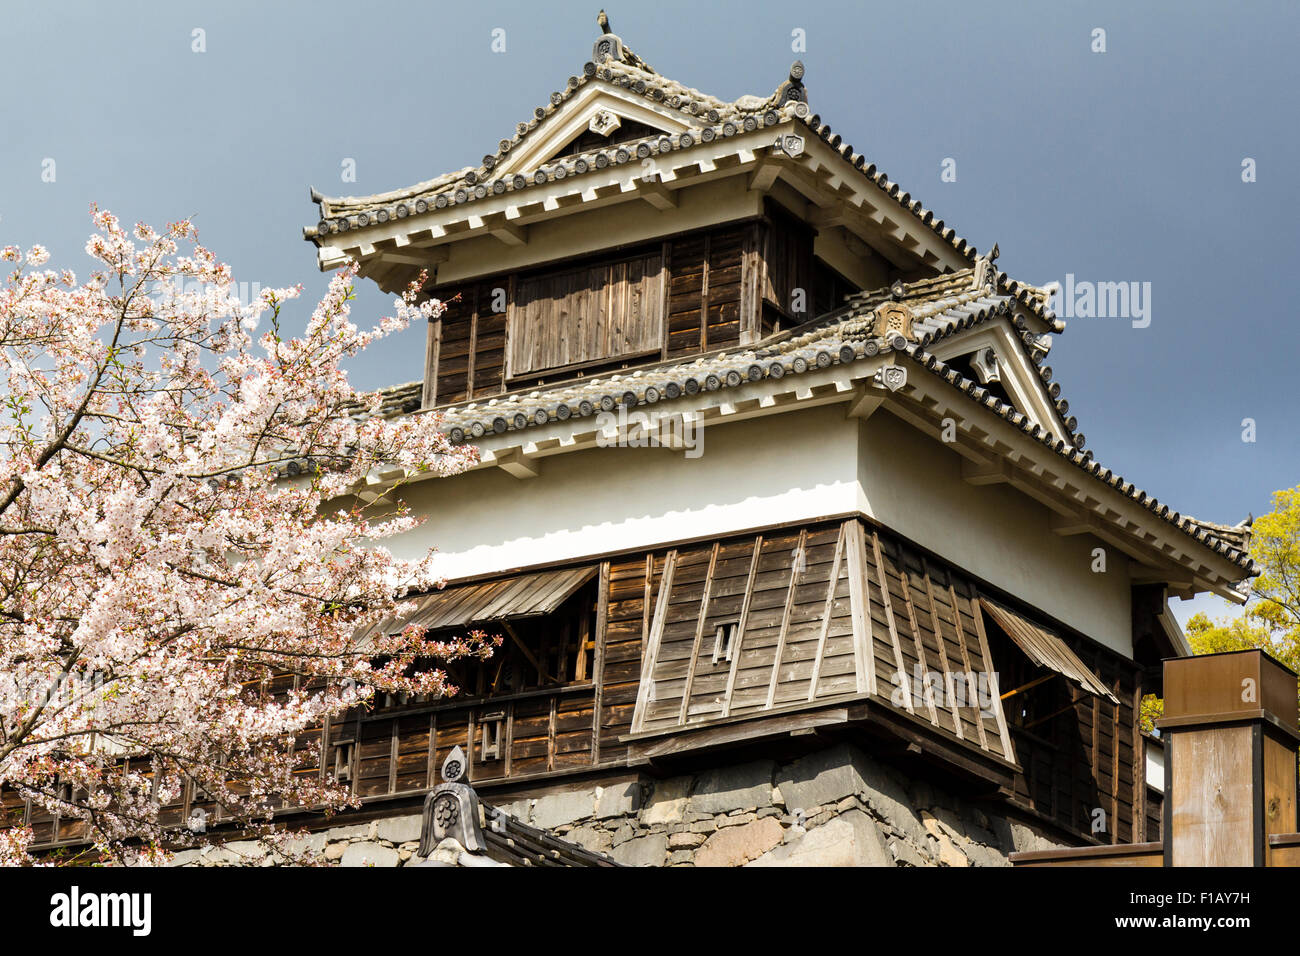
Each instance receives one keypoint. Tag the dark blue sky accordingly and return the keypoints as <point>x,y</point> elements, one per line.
<point>1116,166</point>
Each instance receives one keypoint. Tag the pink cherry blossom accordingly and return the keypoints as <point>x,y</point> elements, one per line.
<point>180,525</point>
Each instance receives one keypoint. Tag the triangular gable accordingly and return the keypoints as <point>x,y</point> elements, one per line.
<point>575,117</point>
<point>1013,366</point>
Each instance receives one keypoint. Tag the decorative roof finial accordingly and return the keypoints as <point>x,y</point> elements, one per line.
<point>609,46</point>
<point>453,768</point>
<point>792,90</point>
<point>985,275</point>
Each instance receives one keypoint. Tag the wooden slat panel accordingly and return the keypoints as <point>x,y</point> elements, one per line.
<point>651,653</point>
<point>528,595</point>
<point>834,581</point>
<point>1046,649</point>
<point>796,570</point>
<point>582,315</point>
<point>864,657</point>
<point>738,648</point>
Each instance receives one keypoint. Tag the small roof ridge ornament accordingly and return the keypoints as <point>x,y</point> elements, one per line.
<point>453,768</point>
<point>985,275</point>
<point>610,45</point>
<point>792,90</point>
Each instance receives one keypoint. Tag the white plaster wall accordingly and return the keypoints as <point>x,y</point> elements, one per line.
<point>789,467</point>
<point>1155,765</point>
<point>750,474</point>
<point>913,484</point>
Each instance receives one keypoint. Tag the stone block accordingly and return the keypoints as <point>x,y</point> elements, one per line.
<point>685,840</point>
<point>360,831</point>
<point>890,802</point>
<point>736,846</point>
<point>905,854</point>
<point>592,838</point>
<point>820,778</point>
<point>369,854</point>
<point>557,809</point>
<point>617,800</point>
<point>519,809</point>
<point>313,844</point>
<point>985,856</point>
<point>643,851</point>
<point>1025,839</point>
<point>216,856</point>
<point>400,829</point>
<point>744,787</point>
<point>833,775</point>
<point>246,852</point>
<point>736,819</point>
<point>851,839</point>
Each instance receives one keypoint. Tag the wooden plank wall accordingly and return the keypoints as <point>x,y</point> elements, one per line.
<point>807,615</point>
<point>787,595</point>
<point>467,347</point>
<point>631,580</point>
<point>691,293</point>
<point>792,596</point>
<point>602,311</point>
<point>785,263</point>
<point>705,289</point>
<point>1154,808</point>
<point>920,623</point>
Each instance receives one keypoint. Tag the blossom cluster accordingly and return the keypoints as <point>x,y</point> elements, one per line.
<point>181,517</point>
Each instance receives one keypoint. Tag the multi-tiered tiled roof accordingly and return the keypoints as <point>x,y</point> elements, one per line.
<point>707,118</point>
<point>967,292</point>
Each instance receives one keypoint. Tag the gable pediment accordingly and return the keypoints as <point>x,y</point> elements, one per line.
<point>601,109</point>
<point>998,361</point>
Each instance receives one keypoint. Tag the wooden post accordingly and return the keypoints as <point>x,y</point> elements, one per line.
<point>1230,758</point>
<point>598,661</point>
<point>433,345</point>
<point>1230,736</point>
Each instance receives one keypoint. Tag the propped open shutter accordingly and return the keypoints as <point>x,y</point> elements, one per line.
<point>1046,649</point>
<point>523,596</point>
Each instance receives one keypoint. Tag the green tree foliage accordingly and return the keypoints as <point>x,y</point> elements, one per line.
<point>1271,621</point>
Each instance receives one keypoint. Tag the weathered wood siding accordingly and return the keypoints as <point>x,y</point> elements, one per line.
<point>788,597</point>
<point>536,732</point>
<point>573,317</point>
<point>466,346</point>
<point>923,649</point>
<point>690,293</point>
<point>631,581</point>
<point>783,619</point>
<point>820,613</point>
<point>786,278</point>
<point>704,303</point>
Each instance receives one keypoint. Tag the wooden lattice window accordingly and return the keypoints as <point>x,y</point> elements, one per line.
<point>344,759</point>
<point>724,640</point>
<point>490,735</point>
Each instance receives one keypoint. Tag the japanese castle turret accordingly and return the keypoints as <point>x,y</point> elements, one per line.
<point>796,551</point>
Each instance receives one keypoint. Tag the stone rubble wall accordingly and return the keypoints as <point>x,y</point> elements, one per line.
<point>390,842</point>
<point>836,807</point>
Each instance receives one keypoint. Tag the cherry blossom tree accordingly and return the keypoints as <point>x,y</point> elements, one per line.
<point>193,509</point>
